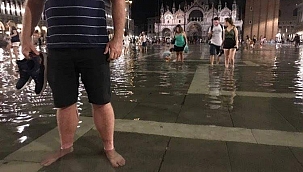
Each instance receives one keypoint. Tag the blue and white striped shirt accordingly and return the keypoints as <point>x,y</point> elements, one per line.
<point>76,23</point>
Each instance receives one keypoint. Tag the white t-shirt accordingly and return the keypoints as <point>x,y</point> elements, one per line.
<point>216,38</point>
<point>143,38</point>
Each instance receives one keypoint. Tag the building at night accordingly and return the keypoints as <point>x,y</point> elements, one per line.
<point>129,25</point>
<point>196,18</point>
<point>261,18</point>
<point>299,26</point>
<point>151,26</point>
<point>13,10</point>
<point>288,18</point>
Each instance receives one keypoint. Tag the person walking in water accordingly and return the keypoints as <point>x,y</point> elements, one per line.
<point>215,34</point>
<point>144,42</point>
<point>231,42</point>
<point>74,52</point>
<point>180,40</point>
<point>15,39</point>
<point>297,41</point>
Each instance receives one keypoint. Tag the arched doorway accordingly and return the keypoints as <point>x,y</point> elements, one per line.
<point>166,34</point>
<point>196,15</point>
<point>194,33</point>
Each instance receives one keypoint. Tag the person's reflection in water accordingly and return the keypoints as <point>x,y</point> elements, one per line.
<point>214,88</point>
<point>229,84</point>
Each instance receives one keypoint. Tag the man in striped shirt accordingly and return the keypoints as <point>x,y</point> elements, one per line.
<point>78,45</point>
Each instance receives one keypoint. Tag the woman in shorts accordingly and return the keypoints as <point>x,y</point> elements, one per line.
<point>230,42</point>
<point>14,35</point>
<point>180,40</point>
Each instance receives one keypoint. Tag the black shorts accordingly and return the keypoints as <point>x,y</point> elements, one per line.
<point>65,66</point>
<point>178,49</point>
<point>229,44</point>
<point>144,44</point>
<point>214,49</point>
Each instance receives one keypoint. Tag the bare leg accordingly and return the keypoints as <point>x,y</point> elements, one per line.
<point>67,119</point>
<point>212,59</point>
<point>218,59</point>
<point>232,56</point>
<point>15,50</point>
<point>104,119</point>
<point>8,48</point>
<point>182,57</point>
<point>226,54</point>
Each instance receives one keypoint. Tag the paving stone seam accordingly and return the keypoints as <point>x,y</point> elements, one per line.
<point>164,154</point>
<point>284,118</point>
<point>229,159</point>
<point>295,156</point>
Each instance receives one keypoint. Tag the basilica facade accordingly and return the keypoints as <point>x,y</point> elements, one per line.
<point>196,18</point>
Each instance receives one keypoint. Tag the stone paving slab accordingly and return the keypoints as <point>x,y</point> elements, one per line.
<point>18,166</point>
<point>261,158</point>
<point>155,112</point>
<point>157,98</point>
<point>123,108</point>
<point>298,153</point>
<point>142,153</point>
<point>280,138</point>
<point>199,116</point>
<point>186,130</point>
<point>13,137</point>
<point>258,113</point>
<point>207,102</point>
<point>196,155</point>
<point>291,110</point>
<point>47,143</point>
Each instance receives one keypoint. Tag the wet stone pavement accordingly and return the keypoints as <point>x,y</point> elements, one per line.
<point>170,117</point>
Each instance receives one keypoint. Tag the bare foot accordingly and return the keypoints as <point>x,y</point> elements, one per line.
<point>56,155</point>
<point>115,158</point>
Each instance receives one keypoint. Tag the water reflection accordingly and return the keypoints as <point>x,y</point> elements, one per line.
<point>25,114</point>
<point>221,80</point>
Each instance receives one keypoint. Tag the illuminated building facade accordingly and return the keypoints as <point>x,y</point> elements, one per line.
<point>196,18</point>
<point>261,18</point>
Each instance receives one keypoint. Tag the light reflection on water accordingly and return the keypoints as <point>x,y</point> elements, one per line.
<point>281,72</point>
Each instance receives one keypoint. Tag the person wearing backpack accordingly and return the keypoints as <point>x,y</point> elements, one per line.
<point>215,35</point>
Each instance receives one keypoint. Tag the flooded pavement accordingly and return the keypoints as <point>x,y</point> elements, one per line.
<point>263,91</point>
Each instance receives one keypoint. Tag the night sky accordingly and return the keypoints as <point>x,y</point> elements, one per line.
<point>142,9</point>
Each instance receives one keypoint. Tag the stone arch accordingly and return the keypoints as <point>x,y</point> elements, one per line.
<point>196,15</point>
<point>194,31</point>
<point>194,9</point>
<point>166,32</point>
